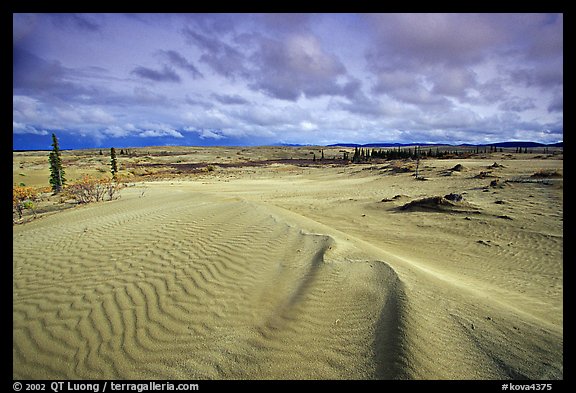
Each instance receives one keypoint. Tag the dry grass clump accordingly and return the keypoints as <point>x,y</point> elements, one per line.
<point>484,174</point>
<point>451,203</point>
<point>394,198</point>
<point>546,173</point>
<point>402,167</point>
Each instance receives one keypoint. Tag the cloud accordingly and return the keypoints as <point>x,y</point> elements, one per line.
<point>212,24</point>
<point>414,39</point>
<point>164,75</point>
<point>285,23</point>
<point>517,104</point>
<point>31,72</point>
<point>51,83</point>
<point>25,108</point>
<point>410,88</point>
<point>206,134</point>
<point>286,68</point>
<point>177,60</point>
<point>146,97</point>
<point>83,22</point>
<point>253,78</point>
<point>19,128</point>
<point>198,101</point>
<point>298,66</point>
<point>215,119</point>
<point>160,133</point>
<point>453,82</point>
<point>220,56</point>
<point>228,99</point>
<point>557,102</point>
<point>308,126</point>
<point>548,43</point>
<point>76,114</point>
<point>542,77</point>
<point>117,131</point>
<point>149,129</point>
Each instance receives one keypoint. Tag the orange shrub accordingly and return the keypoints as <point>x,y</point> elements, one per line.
<point>23,197</point>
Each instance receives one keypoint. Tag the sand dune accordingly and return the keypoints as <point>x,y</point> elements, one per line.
<point>180,285</point>
<point>291,273</point>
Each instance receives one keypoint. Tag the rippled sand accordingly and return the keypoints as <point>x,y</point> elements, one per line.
<point>283,272</point>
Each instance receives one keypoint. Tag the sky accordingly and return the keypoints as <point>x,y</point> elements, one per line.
<point>128,80</point>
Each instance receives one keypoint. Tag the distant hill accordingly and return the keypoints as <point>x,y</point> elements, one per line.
<point>497,144</point>
<point>527,144</point>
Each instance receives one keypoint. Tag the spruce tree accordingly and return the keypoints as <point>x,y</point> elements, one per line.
<point>356,156</point>
<point>57,179</point>
<point>417,154</point>
<point>113,163</point>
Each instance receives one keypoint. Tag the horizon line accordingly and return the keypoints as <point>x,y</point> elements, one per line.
<point>509,143</point>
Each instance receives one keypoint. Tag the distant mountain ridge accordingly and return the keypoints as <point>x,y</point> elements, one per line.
<point>509,144</point>
<point>497,144</point>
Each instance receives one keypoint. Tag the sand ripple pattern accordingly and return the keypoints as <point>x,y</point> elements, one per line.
<point>192,286</point>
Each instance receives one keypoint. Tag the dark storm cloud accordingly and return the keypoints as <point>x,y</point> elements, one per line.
<point>33,72</point>
<point>50,80</point>
<point>166,74</point>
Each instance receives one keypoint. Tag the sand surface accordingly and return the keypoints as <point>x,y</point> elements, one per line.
<point>287,272</point>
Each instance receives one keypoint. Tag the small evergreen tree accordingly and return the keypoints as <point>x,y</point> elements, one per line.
<point>113,163</point>
<point>356,156</point>
<point>57,179</point>
<point>417,154</point>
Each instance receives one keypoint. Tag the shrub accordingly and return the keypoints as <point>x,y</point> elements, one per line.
<point>89,189</point>
<point>23,197</point>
